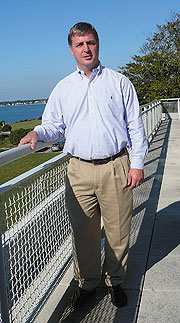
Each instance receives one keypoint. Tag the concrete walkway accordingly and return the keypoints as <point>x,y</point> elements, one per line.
<point>153,277</point>
<point>160,301</point>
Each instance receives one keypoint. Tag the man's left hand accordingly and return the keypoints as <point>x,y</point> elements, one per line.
<point>135,177</point>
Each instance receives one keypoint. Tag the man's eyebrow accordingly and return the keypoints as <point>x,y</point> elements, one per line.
<point>79,43</point>
<point>82,42</point>
<point>91,41</point>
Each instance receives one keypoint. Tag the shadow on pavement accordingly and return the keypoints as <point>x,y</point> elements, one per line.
<point>144,238</point>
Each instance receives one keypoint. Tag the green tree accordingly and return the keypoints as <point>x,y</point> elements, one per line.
<point>16,135</point>
<point>156,72</point>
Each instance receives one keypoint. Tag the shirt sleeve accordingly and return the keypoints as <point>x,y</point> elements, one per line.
<point>52,127</point>
<point>135,127</point>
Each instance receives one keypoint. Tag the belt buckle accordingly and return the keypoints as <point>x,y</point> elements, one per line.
<point>96,162</point>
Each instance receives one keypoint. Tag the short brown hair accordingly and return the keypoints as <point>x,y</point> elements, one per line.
<point>80,29</point>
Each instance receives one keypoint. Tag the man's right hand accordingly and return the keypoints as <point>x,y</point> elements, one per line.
<point>31,137</point>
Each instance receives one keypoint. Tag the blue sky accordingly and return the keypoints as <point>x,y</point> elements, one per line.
<point>34,54</point>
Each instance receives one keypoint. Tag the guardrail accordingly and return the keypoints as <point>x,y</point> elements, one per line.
<point>152,116</point>
<point>35,238</point>
<point>171,107</point>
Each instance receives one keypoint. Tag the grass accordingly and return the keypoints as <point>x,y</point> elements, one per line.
<point>25,124</point>
<point>22,165</point>
<point>6,144</point>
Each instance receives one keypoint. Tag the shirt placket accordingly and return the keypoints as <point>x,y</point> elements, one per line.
<point>93,118</point>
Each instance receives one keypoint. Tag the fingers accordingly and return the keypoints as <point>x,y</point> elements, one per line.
<point>23,141</point>
<point>132,183</point>
<point>31,138</point>
<point>33,144</point>
<point>135,177</point>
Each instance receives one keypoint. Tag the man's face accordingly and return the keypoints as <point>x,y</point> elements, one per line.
<point>85,50</point>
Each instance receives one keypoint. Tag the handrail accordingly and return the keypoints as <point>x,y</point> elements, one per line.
<point>18,152</point>
<point>21,178</point>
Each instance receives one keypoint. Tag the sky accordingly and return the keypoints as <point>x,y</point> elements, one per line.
<point>34,52</point>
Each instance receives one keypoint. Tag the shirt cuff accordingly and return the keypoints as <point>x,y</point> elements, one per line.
<point>40,132</point>
<point>137,163</point>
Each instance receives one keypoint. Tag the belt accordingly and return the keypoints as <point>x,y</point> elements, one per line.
<point>104,160</point>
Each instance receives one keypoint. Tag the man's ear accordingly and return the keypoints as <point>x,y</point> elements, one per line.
<point>70,48</point>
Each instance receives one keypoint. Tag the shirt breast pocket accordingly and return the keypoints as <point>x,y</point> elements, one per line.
<point>111,105</point>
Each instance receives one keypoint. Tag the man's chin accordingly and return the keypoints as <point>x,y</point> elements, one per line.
<point>91,62</point>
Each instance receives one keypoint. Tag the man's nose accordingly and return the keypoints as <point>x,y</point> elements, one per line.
<point>86,47</point>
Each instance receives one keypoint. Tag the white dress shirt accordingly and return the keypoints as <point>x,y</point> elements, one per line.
<point>98,116</point>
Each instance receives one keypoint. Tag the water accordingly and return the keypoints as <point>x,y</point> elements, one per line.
<point>11,114</point>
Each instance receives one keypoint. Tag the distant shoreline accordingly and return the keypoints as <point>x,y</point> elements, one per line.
<point>13,104</point>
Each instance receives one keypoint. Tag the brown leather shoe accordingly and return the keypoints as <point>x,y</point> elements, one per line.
<point>80,297</point>
<point>118,296</point>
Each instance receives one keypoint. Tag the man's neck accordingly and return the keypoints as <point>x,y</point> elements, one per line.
<point>88,71</point>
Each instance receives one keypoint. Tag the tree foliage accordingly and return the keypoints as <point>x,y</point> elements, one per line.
<point>156,72</point>
<point>2,139</point>
<point>16,135</point>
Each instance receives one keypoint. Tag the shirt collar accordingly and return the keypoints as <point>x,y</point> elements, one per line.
<point>96,71</point>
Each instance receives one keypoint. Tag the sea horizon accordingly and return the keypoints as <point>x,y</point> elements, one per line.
<point>17,113</point>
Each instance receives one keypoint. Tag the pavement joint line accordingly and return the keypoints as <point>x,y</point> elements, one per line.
<point>161,290</point>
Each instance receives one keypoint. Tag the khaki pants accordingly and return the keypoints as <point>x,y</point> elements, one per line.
<point>93,191</point>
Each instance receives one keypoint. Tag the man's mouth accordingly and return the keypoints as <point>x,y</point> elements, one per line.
<point>87,57</point>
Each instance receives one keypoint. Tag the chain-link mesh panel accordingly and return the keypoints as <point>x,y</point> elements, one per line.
<point>151,116</point>
<point>170,106</point>
<point>36,238</point>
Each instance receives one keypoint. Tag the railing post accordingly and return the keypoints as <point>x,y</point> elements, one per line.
<point>179,108</point>
<point>149,122</point>
<point>146,120</point>
<point>3,290</point>
<point>161,112</point>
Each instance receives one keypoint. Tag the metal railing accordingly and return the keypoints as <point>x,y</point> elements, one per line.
<point>36,244</point>
<point>171,107</point>
<point>152,116</point>
<point>35,238</point>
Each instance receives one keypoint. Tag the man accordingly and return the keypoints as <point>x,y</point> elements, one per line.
<point>97,110</point>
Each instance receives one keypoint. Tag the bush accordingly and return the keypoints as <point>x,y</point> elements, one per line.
<point>17,135</point>
<point>2,139</point>
<point>7,127</point>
